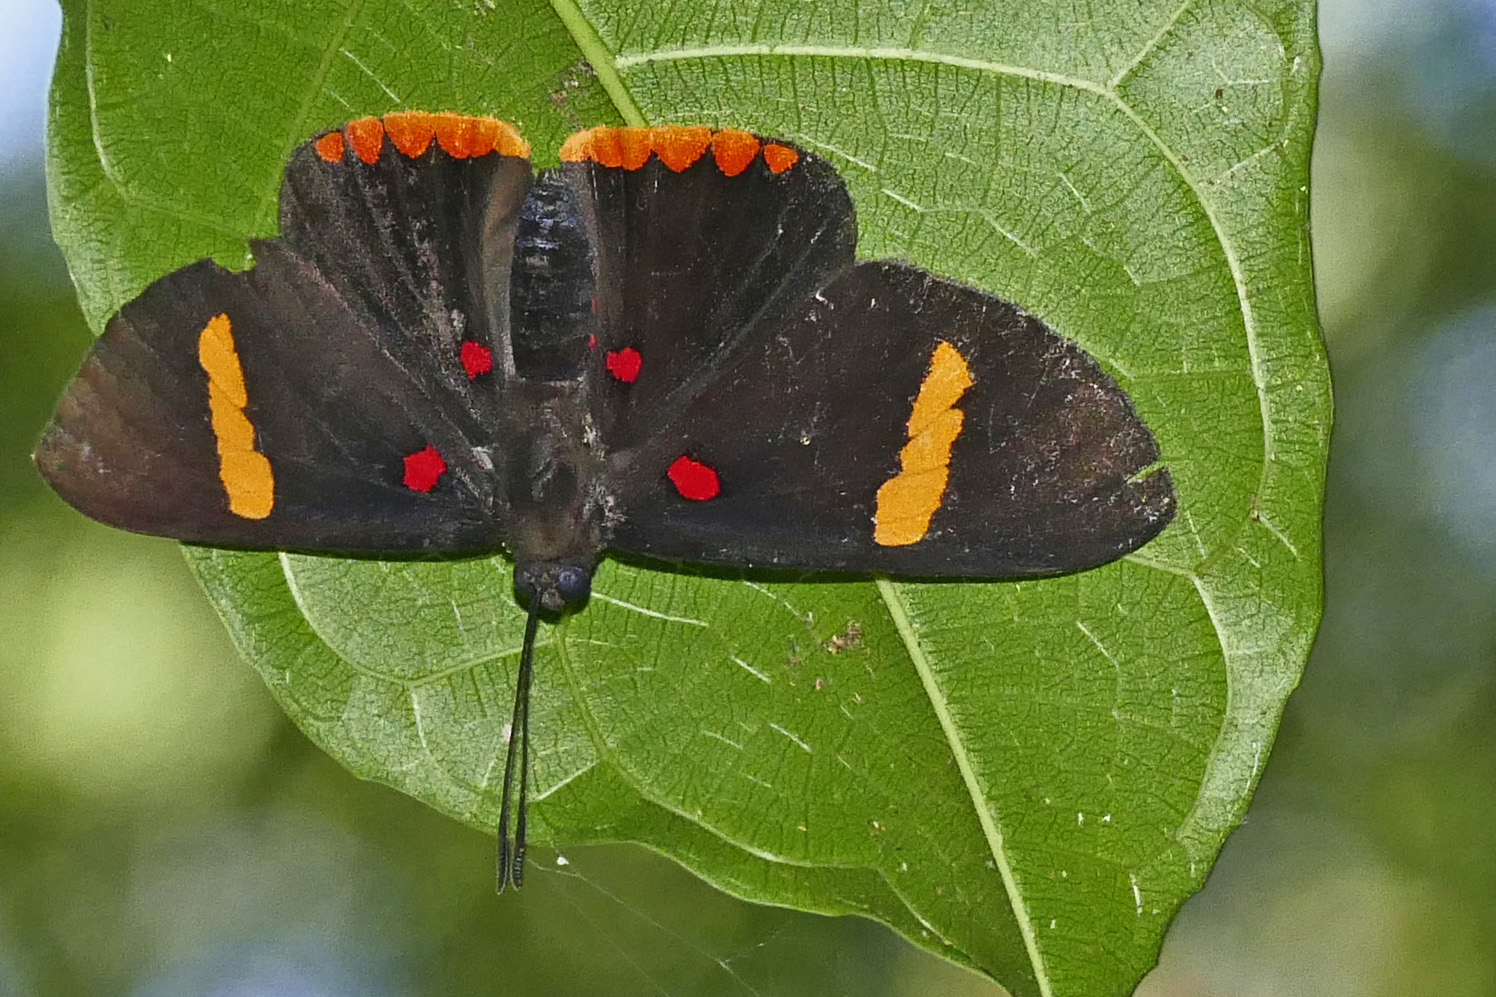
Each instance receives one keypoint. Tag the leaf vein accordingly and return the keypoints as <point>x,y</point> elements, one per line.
<point>898,610</point>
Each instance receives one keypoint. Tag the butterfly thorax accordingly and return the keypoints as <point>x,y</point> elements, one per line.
<point>553,479</point>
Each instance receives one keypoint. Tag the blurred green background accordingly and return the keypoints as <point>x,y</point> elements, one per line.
<point>164,830</point>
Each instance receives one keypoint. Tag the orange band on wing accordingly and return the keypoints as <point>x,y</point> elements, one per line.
<point>245,473</point>
<point>460,136</point>
<point>677,147</point>
<point>908,500</point>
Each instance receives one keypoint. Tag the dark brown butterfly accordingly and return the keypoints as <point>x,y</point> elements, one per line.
<point>664,347</point>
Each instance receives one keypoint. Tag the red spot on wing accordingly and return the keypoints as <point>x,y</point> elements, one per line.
<point>592,340</point>
<point>625,364</point>
<point>476,359</point>
<point>423,468</point>
<point>331,147</point>
<point>694,480</point>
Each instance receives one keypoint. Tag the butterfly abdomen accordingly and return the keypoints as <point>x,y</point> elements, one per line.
<point>551,285</point>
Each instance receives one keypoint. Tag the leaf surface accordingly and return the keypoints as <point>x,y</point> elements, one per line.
<point>1027,778</point>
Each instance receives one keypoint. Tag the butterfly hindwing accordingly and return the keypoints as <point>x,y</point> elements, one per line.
<point>701,240</point>
<point>415,235</point>
<point>905,424</point>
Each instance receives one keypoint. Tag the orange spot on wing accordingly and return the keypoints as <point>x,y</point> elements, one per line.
<point>460,136</point>
<point>734,151</point>
<point>410,132</point>
<point>463,137</point>
<point>907,501</point>
<point>510,142</point>
<point>245,473</point>
<point>635,145</point>
<point>578,147</point>
<point>678,148</point>
<point>366,136</point>
<point>331,147</point>
<point>606,146</point>
<point>780,157</point>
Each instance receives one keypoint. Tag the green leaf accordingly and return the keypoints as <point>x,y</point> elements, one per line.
<point>1027,778</point>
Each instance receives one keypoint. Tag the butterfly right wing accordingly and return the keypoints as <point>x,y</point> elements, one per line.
<point>902,424</point>
<point>702,238</point>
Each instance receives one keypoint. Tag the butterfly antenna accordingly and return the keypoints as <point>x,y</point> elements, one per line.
<point>512,857</point>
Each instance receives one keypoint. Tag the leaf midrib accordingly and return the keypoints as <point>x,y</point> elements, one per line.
<point>898,613</point>
<point>608,67</point>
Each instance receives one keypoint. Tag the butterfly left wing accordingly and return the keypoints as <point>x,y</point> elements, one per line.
<point>255,409</point>
<point>343,394</point>
<point>901,424</point>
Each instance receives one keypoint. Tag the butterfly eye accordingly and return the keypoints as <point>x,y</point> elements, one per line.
<point>573,584</point>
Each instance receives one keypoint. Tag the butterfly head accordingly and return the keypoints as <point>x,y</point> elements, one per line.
<point>552,585</point>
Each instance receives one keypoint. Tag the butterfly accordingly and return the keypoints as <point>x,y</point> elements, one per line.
<point>665,347</point>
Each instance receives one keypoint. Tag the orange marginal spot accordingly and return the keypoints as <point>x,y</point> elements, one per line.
<point>734,151</point>
<point>410,131</point>
<point>780,157</point>
<point>465,137</point>
<point>366,135</point>
<point>331,147</point>
<point>482,135</point>
<point>510,142</point>
<point>578,147</point>
<point>678,148</point>
<point>635,144</point>
<point>245,473</point>
<point>908,500</point>
<point>607,145</point>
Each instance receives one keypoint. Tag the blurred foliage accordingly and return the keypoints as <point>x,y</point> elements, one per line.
<point>1366,866</point>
